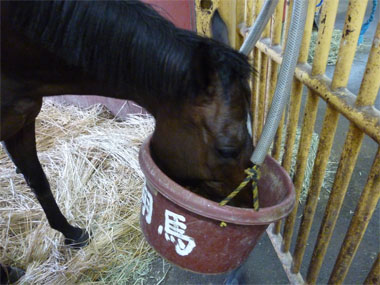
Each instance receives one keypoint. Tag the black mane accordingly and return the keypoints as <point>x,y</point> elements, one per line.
<point>127,44</point>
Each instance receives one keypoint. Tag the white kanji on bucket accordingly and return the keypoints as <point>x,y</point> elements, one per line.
<point>175,228</point>
<point>147,205</point>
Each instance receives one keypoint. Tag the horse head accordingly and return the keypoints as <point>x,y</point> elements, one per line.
<point>203,142</point>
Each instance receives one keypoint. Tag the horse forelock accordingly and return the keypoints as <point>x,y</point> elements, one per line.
<point>127,44</point>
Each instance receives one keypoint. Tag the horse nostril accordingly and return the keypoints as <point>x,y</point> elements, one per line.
<point>228,152</point>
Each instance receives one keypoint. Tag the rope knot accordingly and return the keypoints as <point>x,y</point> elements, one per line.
<point>253,174</point>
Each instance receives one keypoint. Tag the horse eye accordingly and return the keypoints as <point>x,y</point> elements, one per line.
<point>228,152</point>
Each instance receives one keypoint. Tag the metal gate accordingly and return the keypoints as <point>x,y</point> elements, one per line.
<point>358,109</point>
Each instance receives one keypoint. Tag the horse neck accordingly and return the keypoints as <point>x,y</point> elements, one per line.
<point>149,61</point>
<point>159,106</point>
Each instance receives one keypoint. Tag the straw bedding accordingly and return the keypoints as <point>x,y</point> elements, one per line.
<point>90,159</point>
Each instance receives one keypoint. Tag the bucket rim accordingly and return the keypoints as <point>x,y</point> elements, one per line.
<point>208,208</point>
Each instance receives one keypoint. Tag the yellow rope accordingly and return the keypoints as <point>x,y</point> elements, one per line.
<point>253,174</point>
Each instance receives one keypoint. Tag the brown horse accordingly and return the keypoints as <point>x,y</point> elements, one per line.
<point>195,87</point>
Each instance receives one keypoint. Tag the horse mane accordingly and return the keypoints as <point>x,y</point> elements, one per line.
<point>127,44</point>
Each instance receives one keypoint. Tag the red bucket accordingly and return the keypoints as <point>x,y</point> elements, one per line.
<point>184,228</point>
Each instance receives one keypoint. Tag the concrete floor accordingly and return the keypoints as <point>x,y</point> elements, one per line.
<point>263,266</point>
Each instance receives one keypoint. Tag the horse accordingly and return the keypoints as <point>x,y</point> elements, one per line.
<point>195,87</point>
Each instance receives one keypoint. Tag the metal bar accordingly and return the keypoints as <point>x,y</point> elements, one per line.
<point>240,16</point>
<point>255,93</point>
<point>262,92</point>
<point>294,109</point>
<point>321,159</point>
<point>368,201</point>
<point>353,141</point>
<point>363,214</point>
<point>303,151</point>
<point>346,166</point>
<point>258,27</point>
<point>267,78</point>
<point>348,43</point>
<point>285,257</point>
<point>288,13</point>
<point>249,12</point>
<point>288,9</point>
<point>268,97</point>
<point>365,118</point>
<point>253,100</point>
<point>277,228</point>
<point>276,151</point>
<point>278,137</point>
<point>277,24</point>
<point>203,17</point>
<point>275,36</point>
<point>340,78</point>
<point>248,19</point>
<point>295,99</point>
<point>276,155</point>
<point>371,79</point>
<point>273,71</point>
<point>276,41</point>
<point>319,66</point>
<point>374,275</point>
<point>261,81</point>
<point>255,81</point>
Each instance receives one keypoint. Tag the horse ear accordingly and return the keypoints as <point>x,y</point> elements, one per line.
<point>219,29</point>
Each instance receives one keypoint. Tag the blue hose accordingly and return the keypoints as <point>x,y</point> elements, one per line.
<point>366,24</point>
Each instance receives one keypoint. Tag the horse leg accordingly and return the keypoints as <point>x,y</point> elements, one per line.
<point>21,148</point>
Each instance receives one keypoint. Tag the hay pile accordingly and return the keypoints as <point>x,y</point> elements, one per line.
<point>334,47</point>
<point>91,162</point>
<point>331,166</point>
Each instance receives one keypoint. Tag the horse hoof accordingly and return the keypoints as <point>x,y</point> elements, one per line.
<point>10,274</point>
<point>82,239</point>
